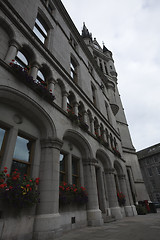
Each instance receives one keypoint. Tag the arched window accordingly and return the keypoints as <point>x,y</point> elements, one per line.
<point>21,60</point>
<point>102,131</point>
<point>96,127</point>
<point>41,78</point>
<point>81,112</point>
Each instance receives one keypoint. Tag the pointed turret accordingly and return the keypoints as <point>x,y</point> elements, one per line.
<point>85,32</point>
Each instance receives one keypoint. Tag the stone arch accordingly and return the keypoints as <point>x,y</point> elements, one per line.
<point>80,142</point>
<point>118,167</point>
<point>30,109</point>
<point>118,173</point>
<point>102,156</point>
<point>28,52</point>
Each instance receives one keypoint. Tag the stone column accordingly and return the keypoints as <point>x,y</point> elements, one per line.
<point>123,186</point>
<point>51,85</point>
<point>34,70</point>
<point>93,212</point>
<point>12,51</point>
<point>85,117</point>
<point>76,108</point>
<point>64,101</point>
<point>112,194</point>
<point>101,191</point>
<point>47,221</point>
<point>92,125</point>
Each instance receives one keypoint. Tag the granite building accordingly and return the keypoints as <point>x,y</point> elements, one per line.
<point>149,160</point>
<point>62,120</point>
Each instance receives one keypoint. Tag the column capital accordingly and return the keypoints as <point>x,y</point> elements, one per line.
<point>51,143</point>
<point>122,176</point>
<point>65,93</point>
<point>14,43</point>
<point>109,170</point>
<point>35,64</point>
<point>90,161</point>
<point>52,80</point>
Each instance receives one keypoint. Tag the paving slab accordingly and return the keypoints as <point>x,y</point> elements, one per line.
<point>140,227</point>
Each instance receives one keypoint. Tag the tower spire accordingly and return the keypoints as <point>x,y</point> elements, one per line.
<point>85,32</point>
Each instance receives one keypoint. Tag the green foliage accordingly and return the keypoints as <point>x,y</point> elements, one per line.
<point>141,210</point>
<point>20,191</point>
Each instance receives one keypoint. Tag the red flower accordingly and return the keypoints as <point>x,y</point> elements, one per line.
<point>5,171</point>
<point>5,168</point>
<point>14,178</point>
<point>27,185</point>
<point>7,175</point>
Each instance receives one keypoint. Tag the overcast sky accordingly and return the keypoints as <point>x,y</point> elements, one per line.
<point>131,30</point>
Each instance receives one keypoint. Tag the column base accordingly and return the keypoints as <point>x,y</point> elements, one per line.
<point>116,213</point>
<point>130,211</point>
<point>94,218</point>
<point>47,227</point>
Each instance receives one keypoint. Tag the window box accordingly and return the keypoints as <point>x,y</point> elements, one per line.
<point>18,191</point>
<point>116,152</point>
<point>69,194</point>
<point>121,198</point>
<point>72,116</point>
<point>40,88</point>
<point>84,126</point>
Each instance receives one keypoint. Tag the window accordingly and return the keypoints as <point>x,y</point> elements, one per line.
<point>100,65</point>
<point>21,60</point>
<point>63,168</point>
<point>40,29</point>
<point>73,69</point>
<point>41,78</point>
<point>2,141</point>
<point>94,95</point>
<point>90,69</point>
<point>150,172</point>
<point>75,171</point>
<point>105,66</point>
<point>22,155</point>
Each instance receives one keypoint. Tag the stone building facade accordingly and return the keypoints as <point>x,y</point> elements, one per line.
<point>61,119</point>
<point>149,160</point>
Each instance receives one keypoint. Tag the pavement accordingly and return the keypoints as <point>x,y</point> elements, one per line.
<point>140,227</point>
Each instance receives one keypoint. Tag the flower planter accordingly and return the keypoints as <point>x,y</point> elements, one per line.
<point>105,144</point>
<point>20,192</point>
<point>84,126</point>
<point>37,87</point>
<point>71,194</point>
<point>121,198</point>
